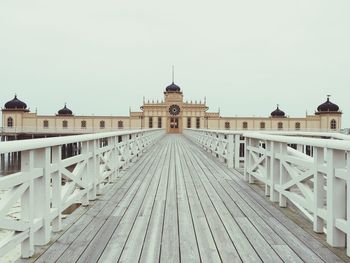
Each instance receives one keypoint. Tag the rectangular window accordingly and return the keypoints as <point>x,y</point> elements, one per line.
<point>198,123</point>
<point>159,122</point>
<point>150,123</point>
<point>189,122</point>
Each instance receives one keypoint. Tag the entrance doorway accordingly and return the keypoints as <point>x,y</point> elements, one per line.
<point>174,125</point>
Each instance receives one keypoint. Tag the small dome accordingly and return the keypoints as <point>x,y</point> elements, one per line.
<point>277,113</point>
<point>328,106</point>
<point>65,111</point>
<point>15,104</point>
<point>173,88</point>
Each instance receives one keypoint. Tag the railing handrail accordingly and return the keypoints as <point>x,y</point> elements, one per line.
<point>31,144</point>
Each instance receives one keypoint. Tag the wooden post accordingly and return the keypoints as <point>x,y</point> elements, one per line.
<point>274,171</point>
<point>336,196</point>
<point>237,150</point>
<point>319,184</point>
<point>283,174</point>
<point>27,204</point>
<point>230,150</point>
<point>57,188</point>
<point>42,158</point>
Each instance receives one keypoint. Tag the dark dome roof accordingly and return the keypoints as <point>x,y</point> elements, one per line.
<point>15,104</point>
<point>65,111</point>
<point>173,88</point>
<point>328,106</point>
<point>278,113</point>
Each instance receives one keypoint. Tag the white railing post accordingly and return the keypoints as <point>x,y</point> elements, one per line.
<point>230,150</point>
<point>283,173</point>
<point>57,188</point>
<point>27,204</point>
<point>336,196</point>
<point>41,194</point>
<point>274,171</point>
<point>237,150</point>
<point>319,192</point>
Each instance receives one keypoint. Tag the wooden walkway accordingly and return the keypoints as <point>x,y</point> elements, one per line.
<point>178,204</point>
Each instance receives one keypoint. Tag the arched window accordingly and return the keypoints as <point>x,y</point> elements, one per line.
<point>280,125</point>
<point>227,125</point>
<point>297,125</point>
<point>46,124</point>
<point>102,124</point>
<point>245,125</point>
<point>65,124</point>
<point>333,124</point>
<point>189,122</point>
<point>9,122</point>
<point>262,125</point>
<point>83,124</point>
<point>120,125</point>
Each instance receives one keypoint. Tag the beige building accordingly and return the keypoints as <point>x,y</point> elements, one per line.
<point>173,114</point>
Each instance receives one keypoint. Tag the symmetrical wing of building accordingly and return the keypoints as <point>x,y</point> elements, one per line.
<point>173,114</point>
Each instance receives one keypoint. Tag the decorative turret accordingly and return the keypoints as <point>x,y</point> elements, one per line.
<point>277,113</point>
<point>16,104</point>
<point>65,111</point>
<point>328,107</point>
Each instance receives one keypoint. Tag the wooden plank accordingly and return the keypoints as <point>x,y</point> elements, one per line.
<point>133,247</point>
<point>240,241</point>
<point>187,236</point>
<point>223,242</point>
<point>170,239</point>
<point>110,240</point>
<point>152,241</point>
<point>206,245</point>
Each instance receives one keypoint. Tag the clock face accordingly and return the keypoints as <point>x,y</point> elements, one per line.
<point>174,109</point>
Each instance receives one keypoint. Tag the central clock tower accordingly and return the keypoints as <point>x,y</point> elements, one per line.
<point>174,105</point>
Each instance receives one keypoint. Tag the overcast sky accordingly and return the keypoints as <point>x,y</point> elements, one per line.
<point>102,57</point>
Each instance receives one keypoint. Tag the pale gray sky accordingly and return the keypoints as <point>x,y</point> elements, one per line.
<point>245,56</point>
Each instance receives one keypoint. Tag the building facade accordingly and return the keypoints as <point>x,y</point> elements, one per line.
<point>173,114</point>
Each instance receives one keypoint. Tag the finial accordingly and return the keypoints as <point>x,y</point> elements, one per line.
<point>15,95</point>
<point>65,104</point>
<point>328,96</point>
<point>173,74</point>
<point>278,106</point>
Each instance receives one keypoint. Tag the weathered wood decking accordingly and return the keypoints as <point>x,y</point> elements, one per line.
<point>178,204</point>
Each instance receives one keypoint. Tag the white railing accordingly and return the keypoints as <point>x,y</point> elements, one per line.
<point>315,181</point>
<point>60,130</point>
<point>226,145</point>
<point>48,184</point>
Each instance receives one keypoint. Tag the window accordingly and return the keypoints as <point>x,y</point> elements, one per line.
<point>83,124</point>
<point>102,124</point>
<point>280,125</point>
<point>46,124</point>
<point>150,122</point>
<point>245,125</point>
<point>120,125</point>
<point>333,124</point>
<point>227,125</point>
<point>262,125</point>
<point>297,125</point>
<point>159,122</point>
<point>188,122</point>
<point>9,122</point>
<point>65,124</point>
<point>198,122</point>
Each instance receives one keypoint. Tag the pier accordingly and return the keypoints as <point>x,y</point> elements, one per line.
<point>148,196</point>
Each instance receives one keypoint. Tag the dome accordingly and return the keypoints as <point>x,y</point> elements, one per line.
<point>173,88</point>
<point>65,111</point>
<point>15,104</point>
<point>277,113</point>
<point>328,106</point>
